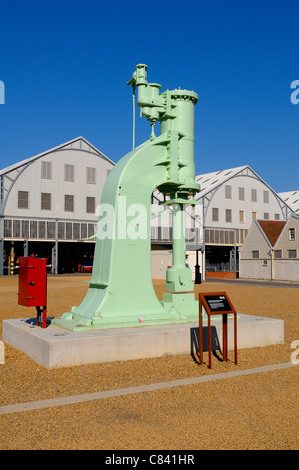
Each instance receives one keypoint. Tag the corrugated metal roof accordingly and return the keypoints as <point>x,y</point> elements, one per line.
<point>54,149</point>
<point>210,181</point>
<point>292,199</point>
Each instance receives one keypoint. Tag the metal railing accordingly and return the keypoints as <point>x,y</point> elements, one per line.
<point>222,267</point>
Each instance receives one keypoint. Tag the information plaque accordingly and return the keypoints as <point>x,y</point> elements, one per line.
<point>216,303</point>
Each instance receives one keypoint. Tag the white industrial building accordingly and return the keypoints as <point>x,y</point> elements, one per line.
<point>229,200</point>
<point>48,205</point>
<point>271,250</point>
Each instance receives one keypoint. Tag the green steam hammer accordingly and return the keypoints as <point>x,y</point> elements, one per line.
<point>121,292</point>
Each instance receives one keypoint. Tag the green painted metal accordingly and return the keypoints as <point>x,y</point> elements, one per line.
<point>121,293</point>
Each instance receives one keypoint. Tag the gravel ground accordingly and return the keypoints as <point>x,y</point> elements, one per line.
<point>258,411</point>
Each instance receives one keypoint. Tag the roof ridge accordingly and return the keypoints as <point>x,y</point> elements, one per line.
<point>53,149</point>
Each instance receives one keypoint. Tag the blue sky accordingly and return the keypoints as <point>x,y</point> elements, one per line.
<point>65,66</point>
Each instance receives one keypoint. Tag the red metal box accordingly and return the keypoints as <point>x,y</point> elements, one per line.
<point>32,282</point>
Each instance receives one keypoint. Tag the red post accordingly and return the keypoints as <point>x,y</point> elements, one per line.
<point>209,341</point>
<point>200,337</point>
<point>235,338</point>
<point>224,336</point>
<point>33,286</point>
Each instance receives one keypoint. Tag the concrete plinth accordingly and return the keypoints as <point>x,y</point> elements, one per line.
<point>54,347</point>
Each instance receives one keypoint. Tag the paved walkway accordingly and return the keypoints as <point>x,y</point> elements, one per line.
<point>253,282</point>
<point>35,405</point>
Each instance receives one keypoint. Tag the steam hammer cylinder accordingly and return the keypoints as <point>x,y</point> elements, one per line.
<point>183,121</point>
<point>175,111</point>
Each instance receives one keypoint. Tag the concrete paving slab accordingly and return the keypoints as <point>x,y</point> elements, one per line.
<point>54,347</point>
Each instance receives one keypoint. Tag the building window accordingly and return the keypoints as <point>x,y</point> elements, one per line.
<point>292,234</point>
<point>68,230</point>
<point>46,201</point>
<point>23,199</point>
<point>253,195</point>
<point>215,214</point>
<point>277,254</point>
<point>242,217</point>
<point>241,194</point>
<point>76,231</point>
<point>266,196</point>
<point>224,237</point>
<point>25,228</point>
<point>61,230</point>
<point>165,234</point>
<point>51,229</point>
<point>68,203</point>
<point>265,262</point>
<point>83,231</point>
<point>228,215</point>
<point>90,175</point>
<point>33,229</point>
<point>255,254</point>
<point>241,234</point>
<point>292,254</point>
<point>41,229</point>
<point>69,173</point>
<point>277,216</point>
<point>7,228</point>
<point>16,229</point>
<point>254,216</point>
<point>47,170</point>
<point>90,205</point>
<point>266,215</point>
<point>228,192</point>
<point>91,230</point>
